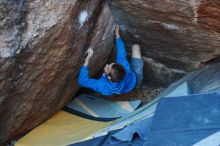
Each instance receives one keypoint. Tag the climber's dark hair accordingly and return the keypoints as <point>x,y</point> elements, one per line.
<point>117,73</point>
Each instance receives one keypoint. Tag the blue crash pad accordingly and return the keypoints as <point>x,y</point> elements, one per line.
<point>181,90</point>
<point>134,134</point>
<point>185,120</point>
<point>96,108</point>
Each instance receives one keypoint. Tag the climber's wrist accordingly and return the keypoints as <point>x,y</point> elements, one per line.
<point>86,63</point>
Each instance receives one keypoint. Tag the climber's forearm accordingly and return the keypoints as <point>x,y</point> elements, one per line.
<point>86,63</point>
<point>117,33</point>
<point>89,56</point>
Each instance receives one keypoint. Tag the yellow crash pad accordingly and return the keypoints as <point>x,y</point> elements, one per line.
<point>62,129</point>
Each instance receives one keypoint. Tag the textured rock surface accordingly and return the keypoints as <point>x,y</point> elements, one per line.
<point>41,49</point>
<point>176,36</point>
<point>205,80</point>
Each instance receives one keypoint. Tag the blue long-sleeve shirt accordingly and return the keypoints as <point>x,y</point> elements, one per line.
<point>103,84</point>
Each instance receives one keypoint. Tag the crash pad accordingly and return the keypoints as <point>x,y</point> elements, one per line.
<point>96,108</point>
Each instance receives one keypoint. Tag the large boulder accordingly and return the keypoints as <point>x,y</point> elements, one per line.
<point>42,47</point>
<point>176,36</point>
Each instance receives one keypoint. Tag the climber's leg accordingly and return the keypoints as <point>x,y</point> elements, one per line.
<point>137,64</point>
<point>136,51</point>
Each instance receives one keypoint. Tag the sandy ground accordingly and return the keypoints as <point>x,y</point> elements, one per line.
<point>150,92</point>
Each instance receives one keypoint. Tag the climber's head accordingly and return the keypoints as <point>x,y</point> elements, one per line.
<point>114,71</point>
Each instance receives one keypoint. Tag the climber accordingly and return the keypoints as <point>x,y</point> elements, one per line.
<point>119,77</point>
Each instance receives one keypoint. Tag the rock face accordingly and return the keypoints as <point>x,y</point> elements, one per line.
<point>176,36</point>
<point>42,46</point>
